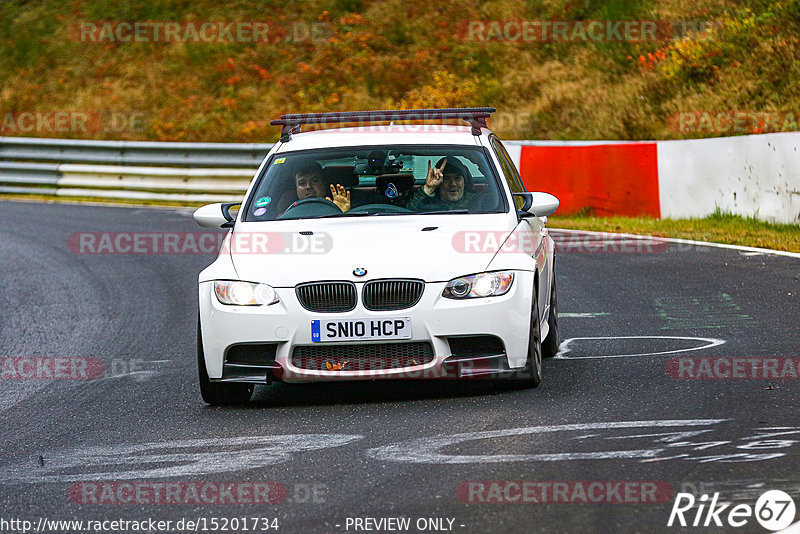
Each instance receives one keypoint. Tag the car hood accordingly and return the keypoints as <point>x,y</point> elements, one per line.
<point>286,253</point>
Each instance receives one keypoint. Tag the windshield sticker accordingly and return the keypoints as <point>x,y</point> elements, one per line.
<point>263,201</point>
<point>279,161</point>
<point>391,191</point>
<point>259,212</point>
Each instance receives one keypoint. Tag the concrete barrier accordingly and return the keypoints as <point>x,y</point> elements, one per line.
<point>751,175</point>
<point>610,178</point>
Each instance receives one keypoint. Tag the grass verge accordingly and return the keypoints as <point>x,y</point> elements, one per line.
<point>717,228</point>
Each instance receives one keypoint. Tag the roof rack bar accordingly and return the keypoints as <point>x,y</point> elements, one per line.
<point>394,112</point>
<point>292,122</point>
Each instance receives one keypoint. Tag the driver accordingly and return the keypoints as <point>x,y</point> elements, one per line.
<point>309,183</point>
<point>448,186</point>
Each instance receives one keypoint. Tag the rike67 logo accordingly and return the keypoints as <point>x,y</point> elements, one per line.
<point>774,510</point>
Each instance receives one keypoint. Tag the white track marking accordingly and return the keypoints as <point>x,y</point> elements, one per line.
<point>426,450</point>
<point>139,375</point>
<point>586,436</point>
<point>146,460</point>
<point>584,315</point>
<point>687,242</point>
<point>668,437</point>
<point>564,347</point>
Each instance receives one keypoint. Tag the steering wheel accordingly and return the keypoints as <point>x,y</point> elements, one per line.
<point>311,207</point>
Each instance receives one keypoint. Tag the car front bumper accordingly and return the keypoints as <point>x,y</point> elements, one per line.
<point>434,319</point>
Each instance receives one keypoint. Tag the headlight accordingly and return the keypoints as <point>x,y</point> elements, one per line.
<point>245,293</point>
<point>479,285</point>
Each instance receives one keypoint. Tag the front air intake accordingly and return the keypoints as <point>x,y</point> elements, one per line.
<point>384,295</point>
<point>327,297</point>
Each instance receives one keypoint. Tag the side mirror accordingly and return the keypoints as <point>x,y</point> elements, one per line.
<point>215,215</point>
<point>544,204</point>
<point>537,204</point>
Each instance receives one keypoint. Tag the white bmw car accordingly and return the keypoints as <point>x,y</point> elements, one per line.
<point>399,251</point>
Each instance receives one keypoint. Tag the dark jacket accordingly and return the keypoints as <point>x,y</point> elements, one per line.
<point>422,202</point>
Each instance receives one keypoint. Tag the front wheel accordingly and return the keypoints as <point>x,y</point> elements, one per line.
<point>215,393</point>
<point>550,344</point>
<point>530,376</point>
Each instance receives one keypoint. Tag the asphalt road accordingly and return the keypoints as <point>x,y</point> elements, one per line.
<point>608,409</point>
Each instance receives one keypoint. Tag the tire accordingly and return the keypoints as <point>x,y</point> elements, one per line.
<point>216,393</point>
<point>550,344</point>
<point>530,376</point>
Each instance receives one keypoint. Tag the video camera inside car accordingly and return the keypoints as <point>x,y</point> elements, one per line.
<point>378,163</point>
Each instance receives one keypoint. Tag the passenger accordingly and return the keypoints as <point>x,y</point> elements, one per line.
<point>309,183</point>
<point>448,186</point>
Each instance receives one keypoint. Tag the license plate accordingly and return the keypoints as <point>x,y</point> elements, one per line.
<point>360,329</point>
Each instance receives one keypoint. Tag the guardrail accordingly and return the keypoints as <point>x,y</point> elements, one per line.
<point>133,152</point>
<point>133,170</point>
<point>752,175</point>
<point>193,172</point>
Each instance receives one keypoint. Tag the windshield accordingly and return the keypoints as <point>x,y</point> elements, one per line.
<point>376,180</point>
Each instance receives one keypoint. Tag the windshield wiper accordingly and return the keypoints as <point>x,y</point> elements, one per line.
<point>442,212</point>
<point>380,213</point>
<point>345,214</point>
